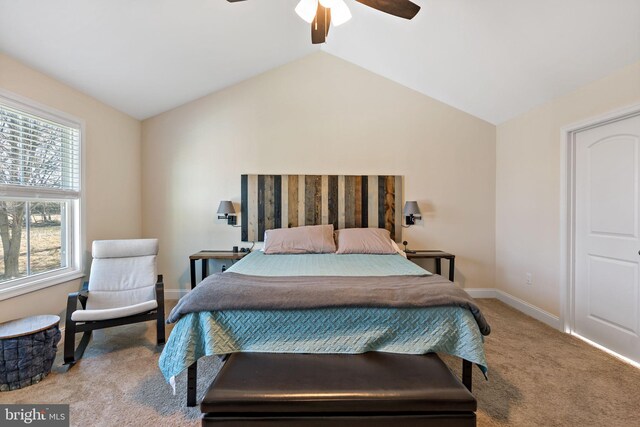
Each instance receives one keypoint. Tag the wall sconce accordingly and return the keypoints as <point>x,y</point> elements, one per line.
<point>227,211</point>
<point>411,212</point>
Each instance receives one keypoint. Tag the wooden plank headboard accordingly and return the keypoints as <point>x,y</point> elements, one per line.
<point>346,201</point>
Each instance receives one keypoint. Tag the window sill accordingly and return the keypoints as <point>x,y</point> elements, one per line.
<point>37,283</point>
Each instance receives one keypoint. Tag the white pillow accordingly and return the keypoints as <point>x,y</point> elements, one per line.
<point>364,241</point>
<point>311,239</point>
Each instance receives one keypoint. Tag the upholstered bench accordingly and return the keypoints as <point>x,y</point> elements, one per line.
<point>371,389</point>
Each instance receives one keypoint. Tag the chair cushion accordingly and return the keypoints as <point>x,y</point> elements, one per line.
<point>336,383</point>
<point>124,248</point>
<point>113,313</point>
<point>120,282</point>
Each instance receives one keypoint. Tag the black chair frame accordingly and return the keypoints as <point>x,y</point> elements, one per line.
<point>72,355</point>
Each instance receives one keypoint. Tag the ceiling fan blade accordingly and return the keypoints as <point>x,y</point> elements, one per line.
<point>320,25</point>
<point>401,8</point>
<point>234,1</point>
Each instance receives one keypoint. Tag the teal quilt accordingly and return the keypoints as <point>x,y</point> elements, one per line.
<point>450,330</point>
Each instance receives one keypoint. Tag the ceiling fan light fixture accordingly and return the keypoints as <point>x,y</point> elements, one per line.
<point>340,12</point>
<point>322,13</point>
<point>306,10</point>
<point>327,3</point>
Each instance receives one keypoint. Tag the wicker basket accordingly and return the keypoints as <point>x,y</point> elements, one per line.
<point>27,359</point>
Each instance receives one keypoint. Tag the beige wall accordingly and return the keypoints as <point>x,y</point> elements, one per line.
<point>491,198</point>
<point>319,115</point>
<point>528,185</point>
<point>112,173</point>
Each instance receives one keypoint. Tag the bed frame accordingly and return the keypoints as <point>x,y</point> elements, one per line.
<point>346,201</point>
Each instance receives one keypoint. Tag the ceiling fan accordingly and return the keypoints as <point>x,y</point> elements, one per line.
<point>321,13</point>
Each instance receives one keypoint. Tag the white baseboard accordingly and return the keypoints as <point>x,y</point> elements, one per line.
<point>530,309</point>
<point>61,337</point>
<point>482,292</point>
<point>518,304</point>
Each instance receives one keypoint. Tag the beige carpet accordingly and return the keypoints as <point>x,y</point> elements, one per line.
<point>538,377</point>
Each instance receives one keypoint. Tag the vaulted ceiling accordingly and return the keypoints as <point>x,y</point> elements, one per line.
<point>494,59</point>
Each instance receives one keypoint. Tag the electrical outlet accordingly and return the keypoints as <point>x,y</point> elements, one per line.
<point>529,279</point>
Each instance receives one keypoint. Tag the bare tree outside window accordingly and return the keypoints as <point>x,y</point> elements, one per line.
<point>11,224</point>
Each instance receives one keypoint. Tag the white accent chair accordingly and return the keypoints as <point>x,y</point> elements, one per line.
<point>123,288</point>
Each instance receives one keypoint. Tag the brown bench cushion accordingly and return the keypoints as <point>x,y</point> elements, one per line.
<point>331,383</point>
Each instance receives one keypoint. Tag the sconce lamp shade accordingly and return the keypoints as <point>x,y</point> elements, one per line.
<point>411,208</point>
<point>226,208</point>
<point>227,211</point>
<point>411,212</point>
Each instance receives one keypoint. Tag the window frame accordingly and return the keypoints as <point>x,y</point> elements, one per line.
<point>75,225</point>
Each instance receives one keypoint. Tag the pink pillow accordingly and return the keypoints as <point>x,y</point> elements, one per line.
<point>364,241</point>
<point>312,239</point>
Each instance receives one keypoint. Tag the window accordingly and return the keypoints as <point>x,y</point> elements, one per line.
<point>40,195</point>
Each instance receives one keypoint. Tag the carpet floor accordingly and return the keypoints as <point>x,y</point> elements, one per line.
<point>537,377</point>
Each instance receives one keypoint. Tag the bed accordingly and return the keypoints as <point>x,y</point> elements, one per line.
<point>322,303</point>
<point>413,330</point>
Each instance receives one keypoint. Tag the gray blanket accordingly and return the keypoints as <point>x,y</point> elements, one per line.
<point>233,291</point>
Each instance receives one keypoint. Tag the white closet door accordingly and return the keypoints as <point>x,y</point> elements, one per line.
<point>607,243</point>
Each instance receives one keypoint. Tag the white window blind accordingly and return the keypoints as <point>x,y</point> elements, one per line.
<point>40,196</point>
<point>38,156</point>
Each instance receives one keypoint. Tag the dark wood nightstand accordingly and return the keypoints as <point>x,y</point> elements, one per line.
<point>205,256</point>
<point>437,256</point>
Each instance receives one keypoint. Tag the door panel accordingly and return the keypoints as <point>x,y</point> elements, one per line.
<point>607,220</point>
<point>613,168</point>
<point>610,285</point>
